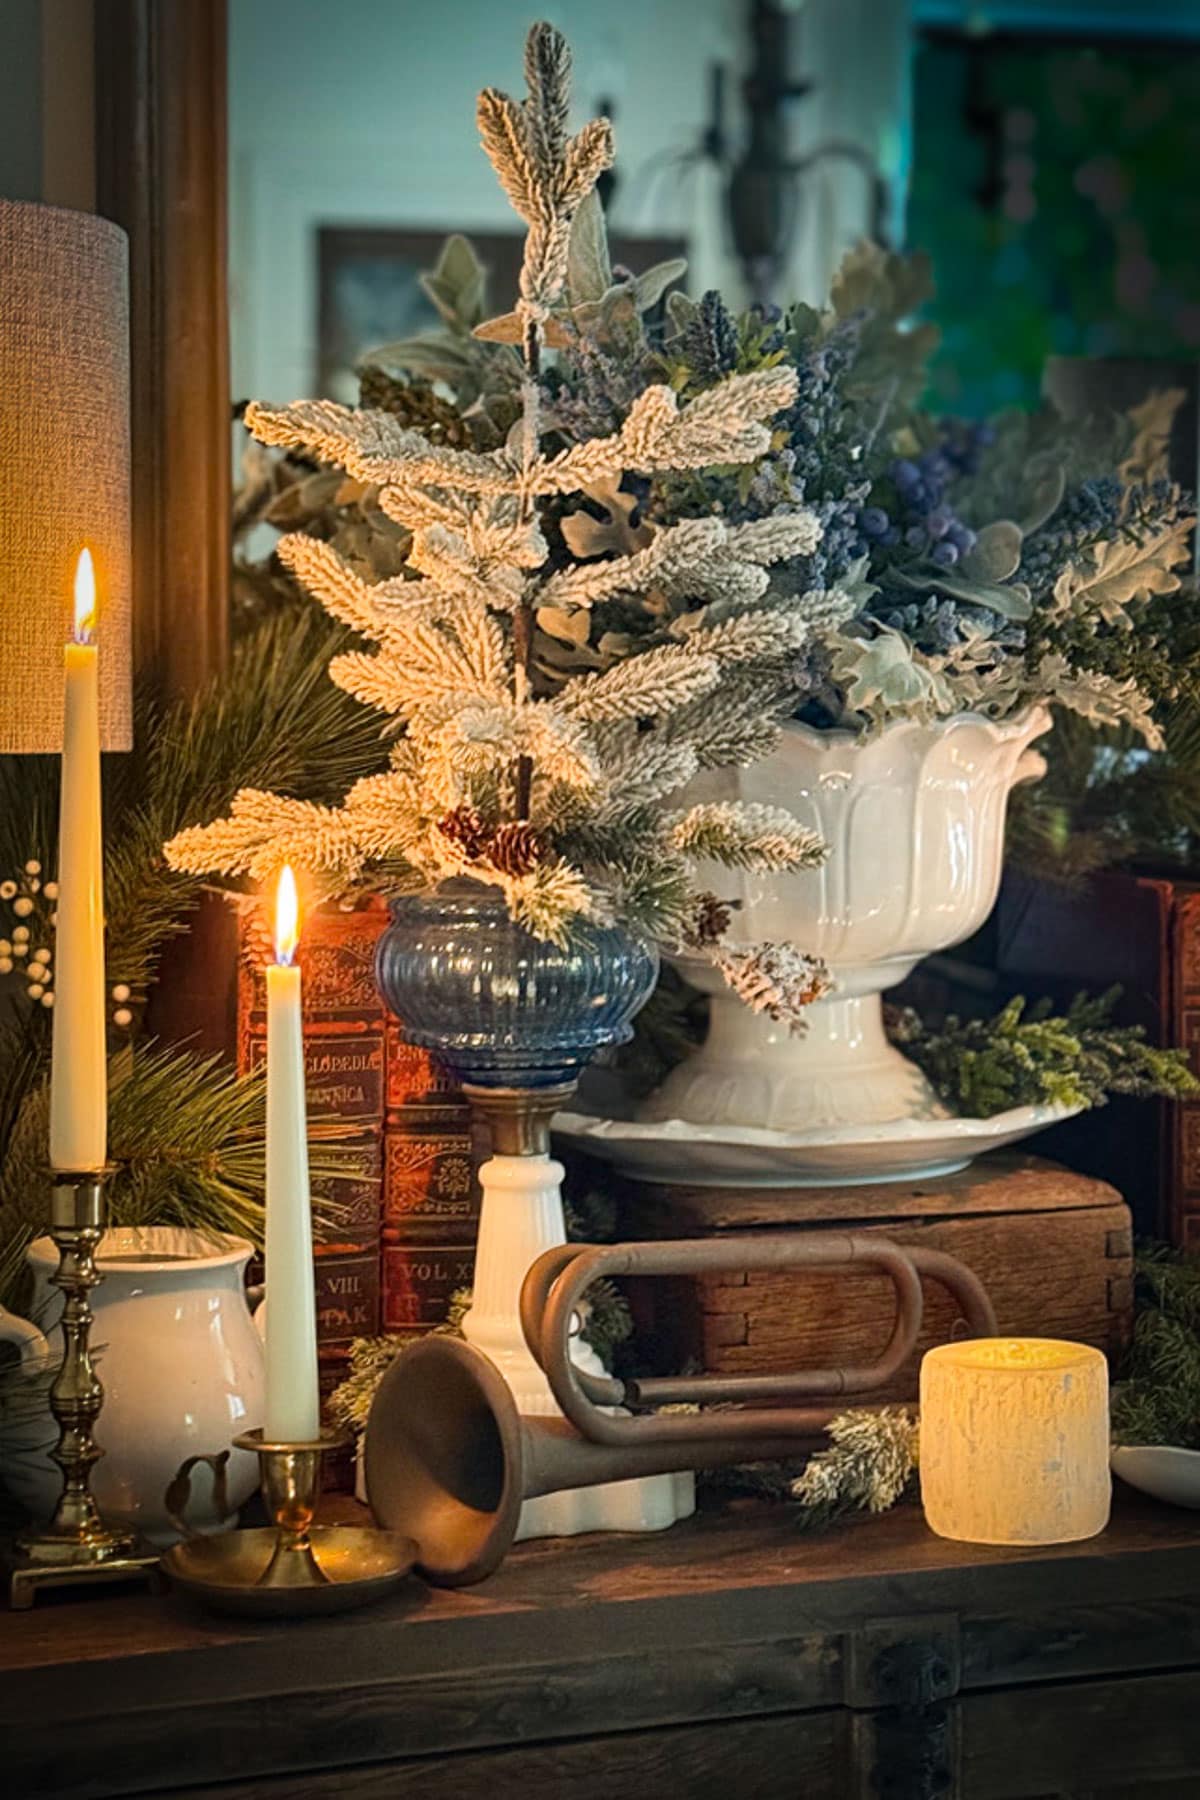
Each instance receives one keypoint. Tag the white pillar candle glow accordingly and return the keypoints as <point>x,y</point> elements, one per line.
<point>1014,1441</point>
<point>292,1408</point>
<point>78,1080</point>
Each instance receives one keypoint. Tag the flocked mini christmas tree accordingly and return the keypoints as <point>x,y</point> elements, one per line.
<point>553,785</point>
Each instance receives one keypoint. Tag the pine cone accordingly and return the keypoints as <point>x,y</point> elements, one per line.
<point>464,827</point>
<point>516,849</point>
<point>256,935</point>
<point>417,405</point>
<point>712,919</point>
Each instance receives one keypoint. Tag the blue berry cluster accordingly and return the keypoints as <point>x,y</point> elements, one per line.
<point>919,518</point>
<point>937,624</point>
<point>1101,507</point>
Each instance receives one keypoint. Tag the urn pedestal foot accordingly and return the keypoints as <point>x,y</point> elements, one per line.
<point>842,1070</point>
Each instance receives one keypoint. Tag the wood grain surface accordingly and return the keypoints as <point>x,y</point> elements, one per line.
<point>730,1638</point>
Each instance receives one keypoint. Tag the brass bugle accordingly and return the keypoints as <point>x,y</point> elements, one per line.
<point>450,1461</point>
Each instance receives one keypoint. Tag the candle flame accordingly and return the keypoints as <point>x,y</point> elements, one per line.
<point>287,916</point>
<point>85,597</point>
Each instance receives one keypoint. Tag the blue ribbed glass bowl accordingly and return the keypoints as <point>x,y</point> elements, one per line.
<point>500,1006</point>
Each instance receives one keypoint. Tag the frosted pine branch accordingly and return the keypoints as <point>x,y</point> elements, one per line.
<point>641,768</point>
<point>735,726</point>
<point>548,82</point>
<point>869,1464</point>
<point>375,448</point>
<point>664,562</point>
<point>262,832</point>
<point>643,687</point>
<point>363,605</point>
<point>726,424</point>
<point>545,176</point>
<point>420,666</point>
<point>757,636</point>
<point>745,836</point>
<point>551,899</point>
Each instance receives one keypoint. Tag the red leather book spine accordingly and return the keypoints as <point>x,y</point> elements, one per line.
<point>1183,1199</point>
<point>430,1194</point>
<point>344,1054</point>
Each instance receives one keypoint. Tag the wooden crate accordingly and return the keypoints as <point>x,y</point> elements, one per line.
<point>1054,1250</point>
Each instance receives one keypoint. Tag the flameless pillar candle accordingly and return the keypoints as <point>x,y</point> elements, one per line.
<point>292,1410</point>
<point>78,1083</point>
<point>1014,1441</point>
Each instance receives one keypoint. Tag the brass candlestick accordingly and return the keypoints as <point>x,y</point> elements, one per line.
<point>291,1567</point>
<point>76,1545</point>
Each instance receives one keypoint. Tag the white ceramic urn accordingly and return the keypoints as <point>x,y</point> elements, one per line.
<point>914,822</point>
<point>182,1367</point>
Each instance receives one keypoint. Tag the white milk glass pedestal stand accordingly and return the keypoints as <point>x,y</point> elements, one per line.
<point>520,1217</point>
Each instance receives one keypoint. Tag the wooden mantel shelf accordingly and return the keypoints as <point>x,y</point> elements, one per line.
<point>727,1655</point>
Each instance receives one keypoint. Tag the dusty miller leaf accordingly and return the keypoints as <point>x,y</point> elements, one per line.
<point>456,286</point>
<point>650,286</point>
<point>589,271</point>
<point>1152,421</point>
<point>996,552</point>
<point>509,328</point>
<point>586,536</point>
<point>568,627</point>
<point>1012,600</point>
<point>1042,494</point>
<point>1124,569</point>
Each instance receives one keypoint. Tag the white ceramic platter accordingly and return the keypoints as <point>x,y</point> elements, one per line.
<point>1161,1470</point>
<point>842,1156</point>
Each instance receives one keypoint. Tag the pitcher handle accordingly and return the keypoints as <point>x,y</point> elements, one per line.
<point>1031,766</point>
<point>33,1345</point>
<point>179,1490</point>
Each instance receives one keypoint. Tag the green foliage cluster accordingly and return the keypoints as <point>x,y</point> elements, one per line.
<point>1033,1057</point>
<point>1106,800</point>
<point>1157,1398</point>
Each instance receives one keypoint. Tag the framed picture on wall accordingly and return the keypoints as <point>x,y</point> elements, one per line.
<point>369,292</point>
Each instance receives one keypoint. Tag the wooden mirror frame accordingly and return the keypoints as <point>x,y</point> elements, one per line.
<point>161,78</point>
<point>160,87</point>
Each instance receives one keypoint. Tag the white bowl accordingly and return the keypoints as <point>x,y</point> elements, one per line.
<point>1162,1470</point>
<point>677,1151</point>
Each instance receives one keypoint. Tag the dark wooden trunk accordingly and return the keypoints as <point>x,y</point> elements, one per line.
<point>735,1655</point>
<point>1053,1249</point>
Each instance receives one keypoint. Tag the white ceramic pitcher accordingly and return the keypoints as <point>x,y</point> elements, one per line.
<point>182,1368</point>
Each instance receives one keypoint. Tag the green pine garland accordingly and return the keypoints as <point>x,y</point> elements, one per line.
<point>1031,1057</point>
<point>1157,1398</point>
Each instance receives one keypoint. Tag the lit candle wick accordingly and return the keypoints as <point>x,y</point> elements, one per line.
<point>287,916</point>
<point>85,598</point>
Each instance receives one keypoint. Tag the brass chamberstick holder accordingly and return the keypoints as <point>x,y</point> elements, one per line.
<point>291,1567</point>
<point>76,1546</point>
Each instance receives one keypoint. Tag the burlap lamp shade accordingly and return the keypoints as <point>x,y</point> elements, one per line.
<point>64,464</point>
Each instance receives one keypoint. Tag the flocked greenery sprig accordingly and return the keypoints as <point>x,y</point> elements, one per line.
<point>546,777</point>
<point>870,1461</point>
<point>1033,1057</point>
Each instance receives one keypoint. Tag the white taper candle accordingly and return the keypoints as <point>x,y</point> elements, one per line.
<point>78,1081</point>
<point>293,1407</point>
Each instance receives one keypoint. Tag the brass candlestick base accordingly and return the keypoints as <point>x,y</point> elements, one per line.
<point>291,1568</point>
<point>76,1545</point>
